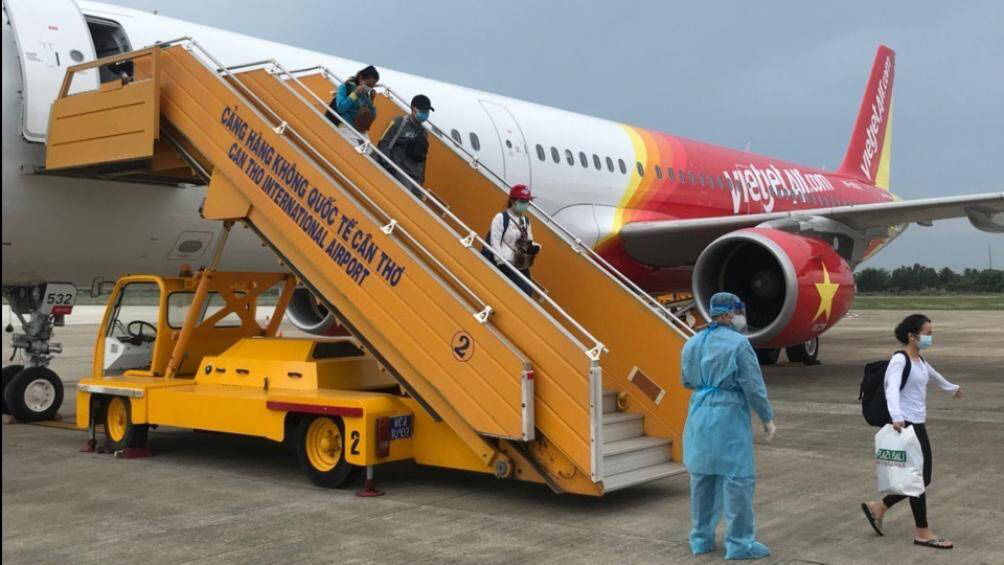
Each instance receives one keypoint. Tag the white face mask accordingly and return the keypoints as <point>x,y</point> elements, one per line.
<point>738,322</point>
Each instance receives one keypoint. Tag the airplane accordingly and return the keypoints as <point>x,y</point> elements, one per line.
<point>672,214</point>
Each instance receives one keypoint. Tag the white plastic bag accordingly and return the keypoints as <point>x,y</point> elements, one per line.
<point>899,461</point>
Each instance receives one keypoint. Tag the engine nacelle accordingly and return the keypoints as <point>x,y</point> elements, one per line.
<point>794,287</point>
<point>309,315</point>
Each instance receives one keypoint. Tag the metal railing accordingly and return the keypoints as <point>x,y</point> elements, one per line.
<point>576,243</point>
<point>391,225</point>
<point>410,187</point>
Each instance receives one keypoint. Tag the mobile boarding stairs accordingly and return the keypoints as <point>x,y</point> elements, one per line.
<point>580,386</point>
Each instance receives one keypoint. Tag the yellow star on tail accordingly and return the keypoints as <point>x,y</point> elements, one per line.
<point>827,291</point>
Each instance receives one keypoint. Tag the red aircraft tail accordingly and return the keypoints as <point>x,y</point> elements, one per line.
<point>868,154</point>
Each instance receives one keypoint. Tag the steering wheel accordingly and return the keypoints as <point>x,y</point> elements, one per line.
<point>138,334</point>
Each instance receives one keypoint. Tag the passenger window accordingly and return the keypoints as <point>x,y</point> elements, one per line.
<point>596,162</point>
<point>658,171</point>
<point>693,178</point>
<point>555,155</point>
<point>610,164</point>
<point>540,152</point>
<point>569,157</point>
<point>456,137</point>
<point>623,167</point>
<point>670,173</point>
<point>475,142</point>
<point>640,167</point>
<point>583,160</point>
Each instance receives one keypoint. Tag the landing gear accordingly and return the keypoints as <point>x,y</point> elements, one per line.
<point>768,356</point>
<point>807,352</point>
<point>32,392</point>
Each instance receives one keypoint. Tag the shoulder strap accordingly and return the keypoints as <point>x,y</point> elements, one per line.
<point>906,369</point>
<point>397,132</point>
<point>505,225</point>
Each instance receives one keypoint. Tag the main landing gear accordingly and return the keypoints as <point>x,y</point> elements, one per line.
<point>31,391</point>
<point>806,353</point>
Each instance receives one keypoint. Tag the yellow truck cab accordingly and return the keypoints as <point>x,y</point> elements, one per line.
<point>172,352</point>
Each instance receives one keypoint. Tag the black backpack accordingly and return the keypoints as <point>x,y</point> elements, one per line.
<point>486,249</point>
<point>332,112</point>
<point>872,392</point>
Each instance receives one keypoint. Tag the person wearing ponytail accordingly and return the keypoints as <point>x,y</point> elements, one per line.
<point>353,102</point>
<point>908,407</point>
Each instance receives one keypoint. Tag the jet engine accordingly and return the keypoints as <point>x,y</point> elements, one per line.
<point>794,287</point>
<point>309,315</point>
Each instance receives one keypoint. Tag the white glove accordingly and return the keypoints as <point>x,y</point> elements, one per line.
<point>769,428</point>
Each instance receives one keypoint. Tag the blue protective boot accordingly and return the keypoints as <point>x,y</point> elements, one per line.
<point>755,550</point>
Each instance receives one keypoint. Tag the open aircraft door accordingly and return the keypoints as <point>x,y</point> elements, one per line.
<point>515,155</point>
<point>50,36</point>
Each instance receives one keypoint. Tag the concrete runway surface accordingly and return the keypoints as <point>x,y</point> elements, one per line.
<point>206,498</point>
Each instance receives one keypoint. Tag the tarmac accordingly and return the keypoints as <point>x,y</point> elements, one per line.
<point>210,498</point>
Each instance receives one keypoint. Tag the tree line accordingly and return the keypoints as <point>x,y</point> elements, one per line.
<point>919,278</point>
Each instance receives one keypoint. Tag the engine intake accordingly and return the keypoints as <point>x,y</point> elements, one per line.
<point>309,315</point>
<point>794,287</point>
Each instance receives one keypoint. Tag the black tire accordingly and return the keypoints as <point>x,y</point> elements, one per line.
<point>8,375</point>
<point>807,352</point>
<point>123,433</point>
<point>768,356</point>
<point>34,394</point>
<point>342,473</point>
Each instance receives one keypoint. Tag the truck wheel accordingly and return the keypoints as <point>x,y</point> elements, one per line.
<point>768,356</point>
<point>8,375</point>
<point>34,394</point>
<point>120,432</point>
<point>320,447</point>
<point>807,352</point>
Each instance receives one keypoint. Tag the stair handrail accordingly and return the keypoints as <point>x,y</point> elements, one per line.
<point>467,241</point>
<point>478,313</point>
<point>576,243</point>
<point>592,353</point>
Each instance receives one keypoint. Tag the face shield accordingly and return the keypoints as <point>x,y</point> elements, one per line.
<point>727,303</point>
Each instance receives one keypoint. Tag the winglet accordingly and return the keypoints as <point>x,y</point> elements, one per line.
<point>869,153</point>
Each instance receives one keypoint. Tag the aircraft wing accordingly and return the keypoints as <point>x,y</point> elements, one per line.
<point>679,242</point>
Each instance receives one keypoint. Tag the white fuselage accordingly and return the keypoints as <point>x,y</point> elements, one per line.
<point>74,230</point>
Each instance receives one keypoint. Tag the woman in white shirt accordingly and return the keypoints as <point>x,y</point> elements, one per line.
<point>511,238</point>
<point>908,407</point>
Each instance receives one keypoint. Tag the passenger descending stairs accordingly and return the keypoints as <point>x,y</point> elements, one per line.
<point>533,392</point>
<point>629,456</point>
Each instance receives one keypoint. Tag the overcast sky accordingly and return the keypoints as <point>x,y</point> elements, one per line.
<point>786,77</point>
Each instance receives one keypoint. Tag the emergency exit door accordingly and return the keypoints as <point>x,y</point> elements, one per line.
<point>515,156</point>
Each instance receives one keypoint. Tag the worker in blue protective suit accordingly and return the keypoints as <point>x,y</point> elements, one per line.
<point>720,366</point>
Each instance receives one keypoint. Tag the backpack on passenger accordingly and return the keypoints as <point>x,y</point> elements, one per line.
<point>486,249</point>
<point>872,392</point>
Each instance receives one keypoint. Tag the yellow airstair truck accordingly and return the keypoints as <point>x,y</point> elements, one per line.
<point>449,364</point>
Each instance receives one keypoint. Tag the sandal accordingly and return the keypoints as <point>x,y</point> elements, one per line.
<point>875,522</point>
<point>937,543</point>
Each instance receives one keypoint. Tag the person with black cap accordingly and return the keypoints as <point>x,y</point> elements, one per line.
<point>405,143</point>
<point>353,102</point>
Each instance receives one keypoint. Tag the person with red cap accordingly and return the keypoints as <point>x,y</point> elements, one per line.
<point>511,240</point>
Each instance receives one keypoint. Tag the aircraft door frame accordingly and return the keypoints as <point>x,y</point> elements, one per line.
<point>50,37</point>
<point>512,143</point>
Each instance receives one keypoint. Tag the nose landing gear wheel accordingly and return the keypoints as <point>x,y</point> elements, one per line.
<point>8,375</point>
<point>33,394</point>
<point>120,432</point>
<point>320,447</point>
